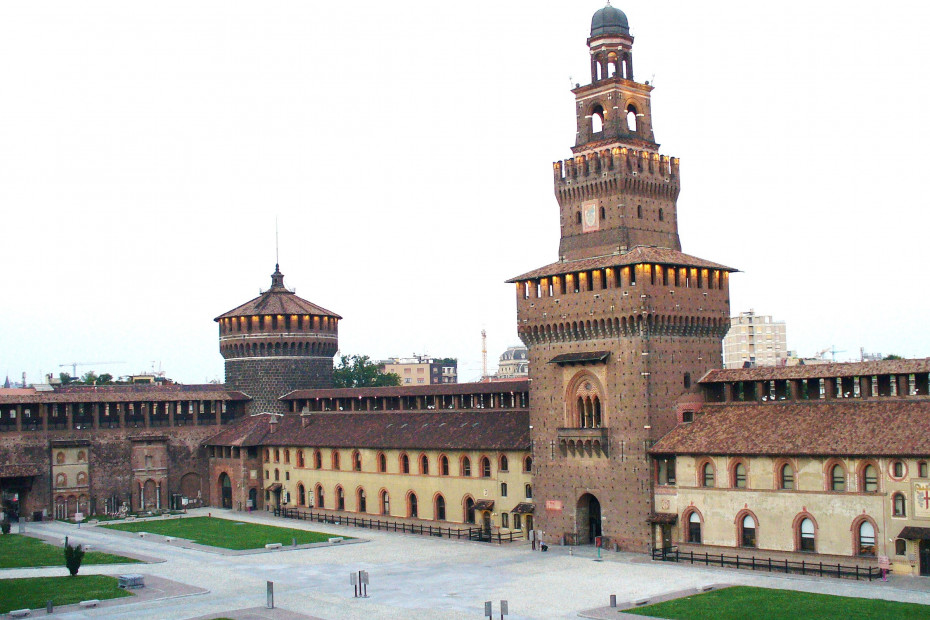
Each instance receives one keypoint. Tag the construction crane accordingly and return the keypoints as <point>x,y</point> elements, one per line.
<point>832,350</point>
<point>74,365</point>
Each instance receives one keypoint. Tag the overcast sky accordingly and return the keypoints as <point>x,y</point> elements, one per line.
<point>406,150</point>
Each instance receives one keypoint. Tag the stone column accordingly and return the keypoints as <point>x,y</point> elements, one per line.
<point>69,416</point>
<point>170,407</point>
<point>19,418</point>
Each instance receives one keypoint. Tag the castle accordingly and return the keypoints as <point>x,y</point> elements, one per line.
<point>627,432</point>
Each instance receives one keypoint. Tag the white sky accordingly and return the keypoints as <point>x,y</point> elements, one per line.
<point>406,148</point>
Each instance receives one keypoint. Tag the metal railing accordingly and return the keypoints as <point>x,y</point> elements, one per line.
<point>819,569</point>
<point>469,533</point>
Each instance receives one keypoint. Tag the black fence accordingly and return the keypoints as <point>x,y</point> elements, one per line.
<point>819,569</point>
<point>470,533</point>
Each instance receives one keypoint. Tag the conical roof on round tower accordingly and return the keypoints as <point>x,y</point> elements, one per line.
<point>277,300</point>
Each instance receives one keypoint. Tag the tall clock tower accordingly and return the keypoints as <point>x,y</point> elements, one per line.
<point>623,323</point>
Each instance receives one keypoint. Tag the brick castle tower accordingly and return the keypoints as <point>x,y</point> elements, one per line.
<point>277,343</point>
<point>623,323</point>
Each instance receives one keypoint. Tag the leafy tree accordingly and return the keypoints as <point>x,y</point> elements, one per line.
<point>74,555</point>
<point>105,379</point>
<point>89,378</point>
<point>892,357</point>
<point>360,371</point>
<point>65,378</point>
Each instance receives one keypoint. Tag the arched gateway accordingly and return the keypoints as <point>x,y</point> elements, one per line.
<point>588,518</point>
<point>226,490</point>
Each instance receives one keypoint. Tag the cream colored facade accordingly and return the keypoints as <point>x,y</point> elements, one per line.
<point>896,502</point>
<point>71,480</point>
<point>755,340</point>
<point>345,481</point>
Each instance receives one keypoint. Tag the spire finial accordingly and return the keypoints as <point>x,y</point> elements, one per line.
<point>276,259</point>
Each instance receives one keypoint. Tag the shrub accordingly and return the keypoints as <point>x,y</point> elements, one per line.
<point>74,555</point>
<point>5,526</point>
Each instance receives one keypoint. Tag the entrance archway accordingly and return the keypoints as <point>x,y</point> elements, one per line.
<point>588,518</point>
<point>253,499</point>
<point>469,510</point>
<point>226,490</point>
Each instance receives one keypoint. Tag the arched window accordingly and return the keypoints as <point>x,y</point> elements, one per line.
<point>61,480</point>
<point>301,495</point>
<point>837,478</point>
<point>694,528</point>
<point>424,464</point>
<point>899,508</point>
<point>81,456</point>
<point>440,510</point>
<point>466,466</point>
<point>806,535</point>
<point>597,119</point>
<point>578,217</point>
<point>267,455</point>
<point>469,510</point>
<point>485,465</point>
<point>356,461</point>
<point>277,474</point>
<point>603,217</point>
<point>385,503</point>
<point>287,456</point>
<point>320,499</point>
<point>382,462</point>
<point>81,479</point>
<point>897,469</point>
<point>869,479</point>
<point>317,459</point>
<point>747,535</point>
<point>786,477</point>
<point>502,464</point>
<point>443,465</point>
<point>360,500</point>
<point>412,505</point>
<point>528,464</point>
<point>340,498</point>
<point>631,117</point>
<point>707,475</point>
<point>739,476</point>
<point>900,547</point>
<point>503,489</point>
<point>404,463</point>
<point>585,398</point>
<point>335,459</point>
<point>300,458</point>
<point>277,455</point>
<point>528,491</point>
<point>866,539</point>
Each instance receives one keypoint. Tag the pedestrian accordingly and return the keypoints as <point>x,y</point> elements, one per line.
<point>532,535</point>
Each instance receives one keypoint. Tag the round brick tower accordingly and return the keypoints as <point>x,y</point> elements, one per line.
<point>277,343</point>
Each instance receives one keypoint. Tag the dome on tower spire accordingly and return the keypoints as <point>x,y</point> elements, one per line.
<point>609,20</point>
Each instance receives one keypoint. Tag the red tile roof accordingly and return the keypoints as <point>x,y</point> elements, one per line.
<point>277,301</point>
<point>636,256</point>
<point>814,371</point>
<point>127,393</point>
<point>484,430</point>
<point>873,427</point>
<point>435,389</point>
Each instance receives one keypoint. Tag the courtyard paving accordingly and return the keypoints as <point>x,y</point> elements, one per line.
<point>412,577</point>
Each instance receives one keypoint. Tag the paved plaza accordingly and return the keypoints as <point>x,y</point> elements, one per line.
<point>411,577</point>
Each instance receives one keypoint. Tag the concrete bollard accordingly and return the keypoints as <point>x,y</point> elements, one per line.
<point>613,600</point>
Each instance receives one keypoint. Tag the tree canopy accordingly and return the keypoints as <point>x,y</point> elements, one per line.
<point>359,371</point>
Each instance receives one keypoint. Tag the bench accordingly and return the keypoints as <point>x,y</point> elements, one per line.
<point>273,546</point>
<point>91,603</point>
<point>336,539</point>
<point>20,613</point>
<point>133,580</point>
<point>641,602</point>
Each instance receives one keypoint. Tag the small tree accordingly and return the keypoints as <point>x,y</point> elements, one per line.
<point>74,555</point>
<point>354,371</point>
<point>5,526</point>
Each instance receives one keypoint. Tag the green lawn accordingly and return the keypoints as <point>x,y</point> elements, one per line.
<point>223,532</point>
<point>741,602</point>
<point>18,551</point>
<point>35,592</point>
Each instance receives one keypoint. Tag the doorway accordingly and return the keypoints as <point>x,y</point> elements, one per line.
<point>226,490</point>
<point>588,519</point>
<point>924,555</point>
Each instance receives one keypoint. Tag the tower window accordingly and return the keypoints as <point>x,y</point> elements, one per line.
<point>631,118</point>
<point>578,217</point>
<point>661,215</point>
<point>639,211</point>
<point>597,119</point>
<point>603,214</point>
